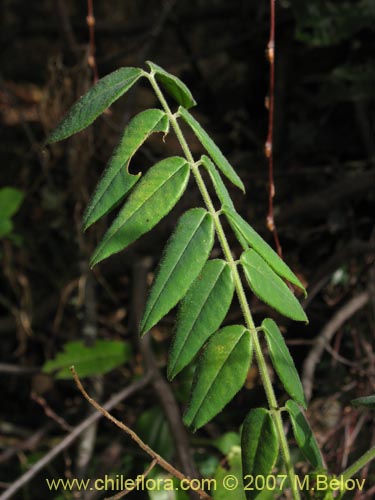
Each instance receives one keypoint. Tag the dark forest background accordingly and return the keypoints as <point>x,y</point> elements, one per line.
<point>324,146</point>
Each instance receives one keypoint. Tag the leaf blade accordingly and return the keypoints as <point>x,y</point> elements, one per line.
<point>269,287</point>
<point>116,181</point>
<point>161,188</point>
<point>283,361</point>
<point>211,148</point>
<point>201,313</point>
<point>102,357</point>
<point>238,224</point>
<point>173,85</point>
<point>185,255</point>
<point>303,435</point>
<point>6,227</point>
<point>366,401</point>
<point>94,102</point>
<point>260,446</point>
<point>233,466</point>
<point>10,201</point>
<point>220,374</point>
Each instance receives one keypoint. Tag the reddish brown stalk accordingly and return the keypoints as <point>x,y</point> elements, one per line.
<point>268,148</point>
<point>90,19</point>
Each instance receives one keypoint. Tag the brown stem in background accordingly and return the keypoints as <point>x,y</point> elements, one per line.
<point>268,148</point>
<point>65,27</point>
<point>325,336</point>
<point>90,19</point>
<point>160,460</point>
<point>125,492</point>
<point>160,385</point>
<point>72,436</point>
<point>49,412</point>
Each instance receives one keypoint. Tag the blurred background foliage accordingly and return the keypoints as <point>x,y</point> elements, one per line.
<point>324,205</point>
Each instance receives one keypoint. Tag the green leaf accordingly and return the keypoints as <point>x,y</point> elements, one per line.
<point>185,254</point>
<point>269,287</point>
<point>283,361</point>
<point>211,148</point>
<point>367,401</point>
<point>220,374</point>
<point>201,313</point>
<point>153,428</point>
<point>102,357</point>
<point>226,442</point>
<point>260,446</point>
<point>173,85</point>
<point>220,188</point>
<point>10,201</point>
<point>162,486</point>
<point>245,231</point>
<point>6,227</point>
<point>116,181</point>
<point>95,101</point>
<point>152,198</point>
<point>232,490</point>
<point>303,435</point>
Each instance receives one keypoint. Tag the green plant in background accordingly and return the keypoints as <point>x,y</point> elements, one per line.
<point>102,357</point>
<point>203,287</point>
<point>10,202</point>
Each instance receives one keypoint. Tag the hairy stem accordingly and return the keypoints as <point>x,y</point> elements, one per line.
<point>359,464</point>
<point>272,402</point>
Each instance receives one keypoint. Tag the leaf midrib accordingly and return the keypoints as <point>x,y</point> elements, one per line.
<point>144,202</point>
<point>266,275</point>
<point>206,214</point>
<point>217,375</point>
<point>198,315</point>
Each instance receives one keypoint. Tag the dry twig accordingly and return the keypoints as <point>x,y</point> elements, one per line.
<point>268,148</point>
<point>50,413</point>
<point>159,384</point>
<point>160,460</point>
<point>90,19</point>
<point>145,474</point>
<point>72,436</point>
<point>325,336</point>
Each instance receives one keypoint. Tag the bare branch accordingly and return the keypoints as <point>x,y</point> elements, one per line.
<point>90,19</point>
<point>145,474</point>
<point>268,148</point>
<point>72,436</point>
<point>49,412</point>
<point>325,336</point>
<point>160,460</point>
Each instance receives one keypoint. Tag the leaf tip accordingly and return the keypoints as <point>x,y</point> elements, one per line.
<point>170,372</point>
<point>86,223</point>
<point>94,260</point>
<point>142,331</point>
<point>189,422</point>
<point>50,140</point>
<point>193,102</point>
<point>144,326</point>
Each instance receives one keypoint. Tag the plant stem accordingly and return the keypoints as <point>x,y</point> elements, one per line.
<point>272,402</point>
<point>356,467</point>
<point>358,464</point>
